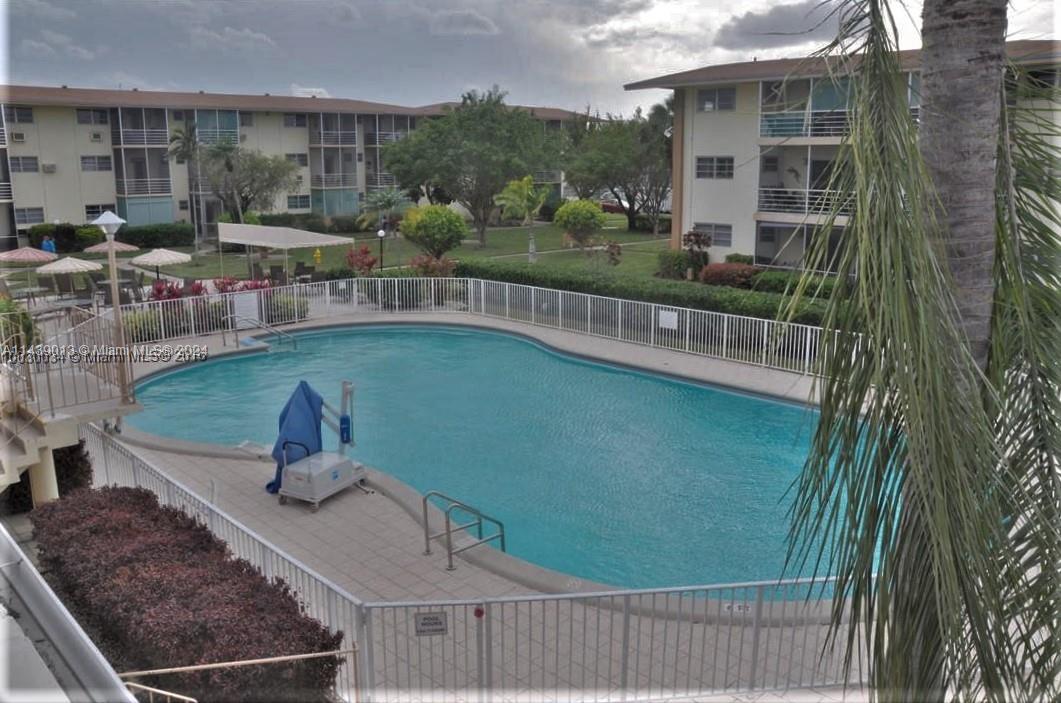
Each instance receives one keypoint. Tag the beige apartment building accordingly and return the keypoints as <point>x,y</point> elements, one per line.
<point>68,154</point>
<point>755,144</point>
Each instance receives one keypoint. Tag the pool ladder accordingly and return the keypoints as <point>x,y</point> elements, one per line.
<point>477,522</point>
<point>275,331</point>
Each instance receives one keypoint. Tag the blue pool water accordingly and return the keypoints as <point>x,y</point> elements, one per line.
<point>612,475</point>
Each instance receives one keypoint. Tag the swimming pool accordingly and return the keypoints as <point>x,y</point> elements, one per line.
<point>609,474</point>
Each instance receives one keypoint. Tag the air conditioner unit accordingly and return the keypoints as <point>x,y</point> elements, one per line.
<point>18,137</point>
<point>47,168</point>
<point>97,136</point>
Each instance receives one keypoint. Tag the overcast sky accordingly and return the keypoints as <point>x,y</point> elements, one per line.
<point>413,52</point>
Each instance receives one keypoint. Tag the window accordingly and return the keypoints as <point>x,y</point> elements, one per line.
<point>297,202</point>
<point>95,163</point>
<point>24,164</point>
<point>85,116</point>
<point>13,114</point>
<point>29,215</point>
<point>94,211</point>
<point>714,167</point>
<point>294,120</point>
<point>769,164</point>
<point>715,99</point>
<point>246,119</point>
<point>300,159</point>
<point>18,137</point>
<point>721,235</point>
<point>182,204</point>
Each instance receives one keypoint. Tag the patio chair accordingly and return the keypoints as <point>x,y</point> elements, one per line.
<point>97,277</point>
<point>65,283</point>
<point>137,294</point>
<point>47,284</point>
<point>318,277</point>
<point>259,275</point>
<point>123,296</point>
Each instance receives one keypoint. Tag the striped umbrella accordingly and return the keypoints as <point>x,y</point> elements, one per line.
<point>27,255</point>
<point>69,265</point>
<point>104,247</point>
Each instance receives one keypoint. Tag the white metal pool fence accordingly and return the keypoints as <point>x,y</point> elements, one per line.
<point>613,645</point>
<point>750,340</point>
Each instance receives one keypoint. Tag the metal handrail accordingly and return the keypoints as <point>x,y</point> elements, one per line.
<point>477,523</point>
<point>257,323</point>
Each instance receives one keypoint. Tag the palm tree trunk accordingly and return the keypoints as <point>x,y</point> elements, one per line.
<point>961,77</point>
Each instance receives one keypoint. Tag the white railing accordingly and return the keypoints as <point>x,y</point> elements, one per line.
<point>334,137</point>
<point>134,137</point>
<point>333,180</point>
<point>377,138</point>
<point>640,644</point>
<point>804,123</point>
<point>218,136</point>
<point>804,201</point>
<point>143,186</point>
<point>5,191</point>
<point>3,137</point>
<point>381,180</point>
<point>750,340</point>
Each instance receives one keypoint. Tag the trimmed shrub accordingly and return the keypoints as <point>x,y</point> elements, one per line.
<point>158,588</point>
<point>88,236</point>
<point>673,264</point>
<point>279,219</point>
<point>642,223</point>
<point>73,471</point>
<point>732,275</point>
<point>341,224</point>
<point>64,234</point>
<point>435,229</point>
<point>581,219</point>
<point>652,290</point>
<point>552,203</point>
<point>780,281</point>
<point>283,307</point>
<point>740,259</point>
<point>429,267</point>
<point>141,325</point>
<point>169,234</point>
<point>15,320</point>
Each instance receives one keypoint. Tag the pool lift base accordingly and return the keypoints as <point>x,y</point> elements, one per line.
<point>319,476</point>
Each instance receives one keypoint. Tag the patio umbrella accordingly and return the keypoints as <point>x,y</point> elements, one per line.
<point>28,255</point>
<point>104,247</point>
<point>161,257</point>
<point>69,265</point>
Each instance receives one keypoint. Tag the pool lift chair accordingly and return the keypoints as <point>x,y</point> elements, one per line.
<point>323,474</point>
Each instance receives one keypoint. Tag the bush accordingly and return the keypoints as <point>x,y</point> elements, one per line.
<point>160,589</point>
<point>652,290</point>
<point>780,281</point>
<point>88,236</point>
<point>429,267</point>
<point>15,320</point>
<point>64,234</point>
<point>642,223</point>
<point>740,259</point>
<point>73,471</point>
<point>732,275</point>
<point>141,325</point>
<point>342,224</point>
<point>170,234</point>
<point>435,229</point>
<point>673,264</point>
<point>279,219</point>
<point>360,262</point>
<point>581,219</point>
<point>282,308</point>
<point>552,203</point>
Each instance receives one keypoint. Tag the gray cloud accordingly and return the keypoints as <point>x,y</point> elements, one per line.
<point>781,25</point>
<point>455,23</point>
<point>231,40</point>
<point>42,9</point>
<point>35,49</point>
<point>636,36</point>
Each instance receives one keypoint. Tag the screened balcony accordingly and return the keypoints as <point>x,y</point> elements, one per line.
<point>333,129</point>
<point>136,126</point>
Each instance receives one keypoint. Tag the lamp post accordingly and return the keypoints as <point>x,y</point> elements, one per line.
<point>110,224</point>
<point>380,235</point>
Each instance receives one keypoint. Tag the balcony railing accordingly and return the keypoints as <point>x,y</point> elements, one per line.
<point>143,186</point>
<point>552,176</point>
<point>3,137</point>
<point>217,136</point>
<point>381,180</point>
<point>803,202</point>
<point>6,192</point>
<point>377,138</point>
<point>333,180</point>
<point>140,137</point>
<point>334,137</point>
<point>803,123</point>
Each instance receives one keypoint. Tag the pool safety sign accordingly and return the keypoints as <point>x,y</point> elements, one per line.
<point>428,624</point>
<point>668,319</point>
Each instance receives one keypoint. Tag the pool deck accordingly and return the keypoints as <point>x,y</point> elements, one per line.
<point>370,545</point>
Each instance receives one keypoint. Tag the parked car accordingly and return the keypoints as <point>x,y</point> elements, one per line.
<point>611,205</point>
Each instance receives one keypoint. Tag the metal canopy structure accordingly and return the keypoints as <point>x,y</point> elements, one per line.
<point>277,237</point>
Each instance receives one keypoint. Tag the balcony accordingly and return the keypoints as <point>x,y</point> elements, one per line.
<point>140,137</point>
<point>804,123</point>
<point>143,186</point>
<point>552,176</point>
<point>381,180</point>
<point>3,137</point>
<point>378,138</point>
<point>334,137</point>
<point>803,202</point>
<point>5,192</point>
<point>333,180</point>
<point>218,136</point>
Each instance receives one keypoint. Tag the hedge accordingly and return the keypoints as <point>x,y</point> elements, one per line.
<point>749,303</point>
<point>167,234</point>
<point>73,471</point>
<point>64,234</point>
<point>643,224</point>
<point>780,281</point>
<point>159,590</point>
<point>673,263</point>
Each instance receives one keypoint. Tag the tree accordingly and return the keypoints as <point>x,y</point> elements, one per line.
<point>521,200</point>
<point>581,219</point>
<point>380,205</point>
<point>184,146</point>
<point>585,181</point>
<point>435,229</point>
<point>932,489</point>
<point>246,180</point>
<point>471,152</point>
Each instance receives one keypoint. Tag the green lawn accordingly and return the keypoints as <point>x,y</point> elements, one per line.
<point>638,260</point>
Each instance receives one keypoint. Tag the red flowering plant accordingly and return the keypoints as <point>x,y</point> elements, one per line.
<point>164,290</point>
<point>361,260</point>
<point>226,284</point>
<point>431,267</point>
<point>254,285</point>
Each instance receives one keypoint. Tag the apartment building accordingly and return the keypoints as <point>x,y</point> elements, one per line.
<point>755,144</point>
<point>68,154</point>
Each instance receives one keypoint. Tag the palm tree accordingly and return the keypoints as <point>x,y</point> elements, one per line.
<point>932,489</point>
<point>226,154</point>
<point>522,200</point>
<point>184,146</point>
<point>380,204</point>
